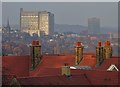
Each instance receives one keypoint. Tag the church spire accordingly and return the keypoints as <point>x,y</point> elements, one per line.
<point>8,25</point>
<point>8,29</point>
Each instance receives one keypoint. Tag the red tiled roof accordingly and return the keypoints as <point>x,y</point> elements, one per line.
<point>52,62</point>
<point>49,63</point>
<point>103,77</point>
<point>6,79</point>
<point>49,71</point>
<point>18,65</point>
<point>56,61</point>
<point>98,77</point>
<point>54,80</point>
<point>46,72</point>
<point>88,61</point>
<point>107,63</point>
<point>79,77</point>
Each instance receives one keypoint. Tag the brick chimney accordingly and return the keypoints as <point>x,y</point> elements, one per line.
<point>107,50</point>
<point>79,53</point>
<point>35,52</point>
<point>99,54</point>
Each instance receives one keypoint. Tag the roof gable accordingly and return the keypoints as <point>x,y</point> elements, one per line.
<point>112,68</point>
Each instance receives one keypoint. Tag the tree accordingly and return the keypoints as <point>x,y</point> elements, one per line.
<point>17,51</point>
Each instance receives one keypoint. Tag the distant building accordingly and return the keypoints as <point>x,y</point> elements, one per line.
<point>94,25</point>
<point>116,35</point>
<point>46,22</point>
<point>7,28</point>
<point>36,22</point>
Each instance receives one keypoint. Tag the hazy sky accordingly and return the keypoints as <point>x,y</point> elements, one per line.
<point>76,13</point>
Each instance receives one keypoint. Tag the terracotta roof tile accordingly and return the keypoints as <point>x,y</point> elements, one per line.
<point>56,61</point>
<point>79,77</point>
<point>49,71</point>
<point>88,61</point>
<point>54,80</point>
<point>6,79</point>
<point>18,65</point>
<point>46,72</point>
<point>107,63</point>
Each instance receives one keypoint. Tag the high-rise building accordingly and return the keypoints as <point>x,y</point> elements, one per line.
<point>46,22</point>
<point>94,25</point>
<point>36,22</point>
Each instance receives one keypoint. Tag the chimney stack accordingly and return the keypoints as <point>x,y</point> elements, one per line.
<point>79,53</point>
<point>99,54</point>
<point>66,70</point>
<point>35,52</point>
<point>107,50</point>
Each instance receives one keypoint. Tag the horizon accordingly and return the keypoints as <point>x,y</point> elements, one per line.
<point>65,15</point>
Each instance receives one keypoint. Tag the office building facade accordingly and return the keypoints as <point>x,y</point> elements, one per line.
<point>36,22</point>
<point>94,25</point>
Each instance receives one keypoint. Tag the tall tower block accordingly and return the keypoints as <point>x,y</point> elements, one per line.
<point>94,25</point>
<point>36,22</point>
<point>35,52</point>
<point>107,50</point>
<point>79,53</point>
<point>99,54</point>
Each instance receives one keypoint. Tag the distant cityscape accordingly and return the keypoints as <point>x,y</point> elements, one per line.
<point>38,51</point>
<point>40,26</point>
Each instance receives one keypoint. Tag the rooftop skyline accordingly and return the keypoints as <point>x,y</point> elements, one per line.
<point>76,13</point>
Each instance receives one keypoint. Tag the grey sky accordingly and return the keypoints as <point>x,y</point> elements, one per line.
<point>60,1</point>
<point>0,13</point>
<point>66,12</point>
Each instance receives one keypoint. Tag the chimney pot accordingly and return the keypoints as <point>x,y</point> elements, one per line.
<point>105,44</point>
<point>99,44</point>
<point>78,43</point>
<point>35,42</point>
<point>108,43</point>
